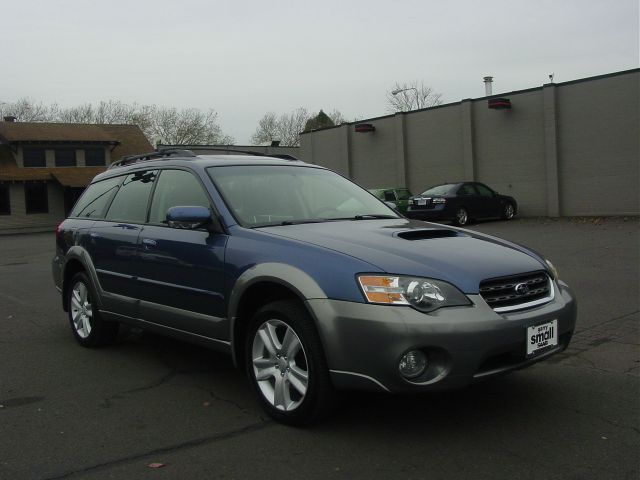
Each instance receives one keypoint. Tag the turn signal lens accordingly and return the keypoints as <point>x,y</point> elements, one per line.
<point>424,294</point>
<point>378,289</point>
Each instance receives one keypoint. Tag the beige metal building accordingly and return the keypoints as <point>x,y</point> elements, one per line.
<point>563,149</point>
<point>44,167</point>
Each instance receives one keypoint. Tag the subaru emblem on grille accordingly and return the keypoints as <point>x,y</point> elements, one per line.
<point>521,288</point>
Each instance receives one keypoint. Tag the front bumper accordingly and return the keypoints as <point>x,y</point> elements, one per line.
<point>364,342</point>
<point>439,212</point>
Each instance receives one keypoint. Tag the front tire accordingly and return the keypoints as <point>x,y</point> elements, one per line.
<point>286,364</point>
<point>88,327</point>
<point>462,217</point>
<point>509,211</point>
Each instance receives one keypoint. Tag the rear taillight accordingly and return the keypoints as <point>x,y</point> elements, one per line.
<point>59,231</point>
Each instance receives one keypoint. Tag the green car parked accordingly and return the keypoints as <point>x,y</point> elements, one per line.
<point>399,196</point>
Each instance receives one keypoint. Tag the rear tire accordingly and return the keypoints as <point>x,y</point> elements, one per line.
<point>286,365</point>
<point>87,325</point>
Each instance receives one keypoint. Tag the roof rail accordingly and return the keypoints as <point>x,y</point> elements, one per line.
<point>152,156</point>
<point>283,156</point>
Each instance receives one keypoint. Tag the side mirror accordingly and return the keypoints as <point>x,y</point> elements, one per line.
<point>190,217</point>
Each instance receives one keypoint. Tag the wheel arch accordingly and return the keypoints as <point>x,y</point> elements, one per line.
<point>78,260</point>
<point>259,286</point>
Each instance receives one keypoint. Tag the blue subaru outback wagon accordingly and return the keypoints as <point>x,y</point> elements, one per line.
<point>310,282</point>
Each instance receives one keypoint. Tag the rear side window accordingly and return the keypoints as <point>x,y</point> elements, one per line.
<point>132,199</point>
<point>445,189</point>
<point>176,188</point>
<point>96,197</point>
<point>484,191</point>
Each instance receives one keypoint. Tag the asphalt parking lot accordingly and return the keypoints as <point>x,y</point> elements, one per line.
<point>70,412</point>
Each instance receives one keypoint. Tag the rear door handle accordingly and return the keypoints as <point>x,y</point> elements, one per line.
<point>149,243</point>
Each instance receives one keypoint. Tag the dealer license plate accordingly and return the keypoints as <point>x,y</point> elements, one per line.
<point>541,337</point>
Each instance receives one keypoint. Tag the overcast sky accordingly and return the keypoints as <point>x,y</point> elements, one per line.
<point>245,58</point>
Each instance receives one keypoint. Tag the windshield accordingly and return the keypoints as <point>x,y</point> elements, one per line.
<point>261,195</point>
<point>441,189</point>
<point>403,194</point>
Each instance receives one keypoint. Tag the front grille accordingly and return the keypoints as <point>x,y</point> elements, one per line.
<point>517,291</point>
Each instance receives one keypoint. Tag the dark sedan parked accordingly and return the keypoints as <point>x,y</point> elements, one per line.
<point>460,202</point>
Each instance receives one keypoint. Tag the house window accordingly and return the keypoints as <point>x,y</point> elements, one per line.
<point>65,157</point>
<point>35,196</point>
<point>34,157</point>
<point>5,200</point>
<point>94,157</point>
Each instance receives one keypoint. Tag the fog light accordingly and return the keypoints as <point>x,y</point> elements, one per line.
<point>413,364</point>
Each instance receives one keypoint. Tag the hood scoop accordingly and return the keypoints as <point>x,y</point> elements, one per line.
<point>429,233</point>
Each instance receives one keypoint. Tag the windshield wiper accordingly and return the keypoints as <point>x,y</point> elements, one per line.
<point>371,216</point>
<point>323,220</point>
<point>298,222</point>
<point>289,222</point>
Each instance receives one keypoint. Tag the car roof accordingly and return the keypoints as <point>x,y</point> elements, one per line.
<point>201,161</point>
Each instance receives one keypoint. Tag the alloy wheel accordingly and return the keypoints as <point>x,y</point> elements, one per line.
<point>461,216</point>
<point>509,211</point>
<point>280,365</point>
<point>81,310</point>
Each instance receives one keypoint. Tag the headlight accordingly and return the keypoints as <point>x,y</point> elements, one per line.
<point>552,269</point>
<point>423,294</point>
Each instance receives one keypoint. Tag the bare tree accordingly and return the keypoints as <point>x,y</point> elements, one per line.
<point>291,125</point>
<point>267,130</point>
<point>160,124</point>
<point>411,96</point>
<point>188,126</point>
<point>337,117</point>
<point>287,127</point>
<point>80,114</point>
<point>26,110</point>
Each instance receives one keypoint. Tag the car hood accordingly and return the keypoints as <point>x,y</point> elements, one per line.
<point>401,246</point>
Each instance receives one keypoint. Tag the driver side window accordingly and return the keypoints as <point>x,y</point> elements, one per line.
<point>466,190</point>
<point>176,188</point>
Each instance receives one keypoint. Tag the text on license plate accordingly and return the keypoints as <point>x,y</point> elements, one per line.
<point>422,201</point>
<point>540,337</point>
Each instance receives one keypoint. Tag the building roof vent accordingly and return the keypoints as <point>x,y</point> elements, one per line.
<point>488,84</point>
<point>10,118</point>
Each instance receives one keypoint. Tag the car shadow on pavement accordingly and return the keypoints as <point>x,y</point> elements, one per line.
<point>498,398</point>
